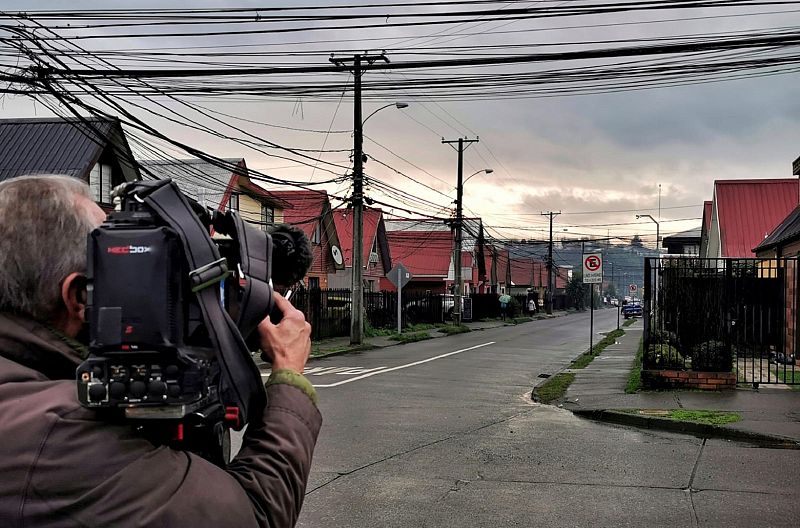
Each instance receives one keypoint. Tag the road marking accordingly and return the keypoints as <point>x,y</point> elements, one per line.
<point>399,367</point>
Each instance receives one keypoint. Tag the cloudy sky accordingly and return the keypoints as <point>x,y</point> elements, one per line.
<point>598,158</point>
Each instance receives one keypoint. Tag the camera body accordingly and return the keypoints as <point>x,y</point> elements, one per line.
<point>170,309</point>
<point>150,353</point>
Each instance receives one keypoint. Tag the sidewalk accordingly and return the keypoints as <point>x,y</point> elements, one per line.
<point>598,392</point>
<point>341,345</point>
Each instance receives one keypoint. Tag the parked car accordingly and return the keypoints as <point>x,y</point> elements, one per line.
<point>436,307</point>
<point>631,309</point>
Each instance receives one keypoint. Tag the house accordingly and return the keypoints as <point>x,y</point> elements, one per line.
<point>427,255</point>
<point>311,211</point>
<point>784,241</point>
<point>684,243</point>
<point>254,203</point>
<point>376,256</point>
<point>745,212</point>
<point>528,274</point>
<point>428,244</point>
<point>93,150</point>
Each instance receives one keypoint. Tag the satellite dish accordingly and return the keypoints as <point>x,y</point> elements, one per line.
<point>337,255</point>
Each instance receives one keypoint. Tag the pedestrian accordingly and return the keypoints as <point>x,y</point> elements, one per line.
<point>505,300</point>
<point>62,464</point>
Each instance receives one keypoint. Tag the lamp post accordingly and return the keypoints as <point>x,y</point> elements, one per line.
<point>658,237</point>
<point>458,286</point>
<point>357,280</point>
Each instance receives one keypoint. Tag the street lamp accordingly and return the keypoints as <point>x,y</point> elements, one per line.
<point>459,288</point>
<point>658,237</point>
<point>357,307</point>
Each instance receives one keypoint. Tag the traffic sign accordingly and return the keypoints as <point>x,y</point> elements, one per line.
<point>399,276</point>
<point>632,288</point>
<point>592,268</point>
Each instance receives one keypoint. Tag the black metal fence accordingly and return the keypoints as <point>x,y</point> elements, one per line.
<point>328,311</point>
<point>722,315</point>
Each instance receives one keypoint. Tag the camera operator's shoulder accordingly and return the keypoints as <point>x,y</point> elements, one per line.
<point>106,474</point>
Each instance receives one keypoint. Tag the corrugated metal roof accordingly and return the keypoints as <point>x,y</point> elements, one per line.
<point>343,218</point>
<point>51,146</point>
<point>197,178</point>
<point>749,210</point>
<point>788,230</point>
<point>422,253</point>
<point>304,208</point>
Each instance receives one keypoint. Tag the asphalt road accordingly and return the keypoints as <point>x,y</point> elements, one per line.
<point>443,433</point>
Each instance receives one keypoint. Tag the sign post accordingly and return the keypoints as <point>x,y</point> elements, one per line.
<point>592,274</point>
<point>399,276</point>
<point>632,288</point>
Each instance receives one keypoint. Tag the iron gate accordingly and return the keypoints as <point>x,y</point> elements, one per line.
<point>722,315</point>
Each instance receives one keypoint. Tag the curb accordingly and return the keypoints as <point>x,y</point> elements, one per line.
<point>695,429</point>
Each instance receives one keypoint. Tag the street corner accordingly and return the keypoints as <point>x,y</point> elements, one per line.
<point>717,424</point>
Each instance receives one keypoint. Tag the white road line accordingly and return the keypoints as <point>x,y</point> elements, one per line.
<point>384,371</point>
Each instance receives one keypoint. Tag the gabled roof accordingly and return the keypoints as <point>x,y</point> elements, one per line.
<point>689,234</point>
<point>199,179</point>
<point>707,209</point>
<point>424,254</point>
<point>252,189</point>
<point>373,220</point>
<point>788,230</point>
<point>60,146</point>
<point>749,210</point>
<point>304,208</point>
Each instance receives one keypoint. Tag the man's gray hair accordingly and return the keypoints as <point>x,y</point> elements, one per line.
<point>44,223</point>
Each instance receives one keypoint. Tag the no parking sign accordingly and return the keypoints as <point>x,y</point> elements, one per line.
<point>592,268</point>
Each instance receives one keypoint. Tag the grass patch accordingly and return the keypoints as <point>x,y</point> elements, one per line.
<point>704,417</point>
<point>518,320</point>
<point>370,331</point>
<point>316,351</point>
<point>454,329</point>
<point>635,377</point>
<point>584,359</point>
<point>554,388</point>
<point>629,322</point>
<point>410,337</point>
<point>788,376</point>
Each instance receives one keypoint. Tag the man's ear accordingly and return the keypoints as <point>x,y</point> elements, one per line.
<point>73,294</point>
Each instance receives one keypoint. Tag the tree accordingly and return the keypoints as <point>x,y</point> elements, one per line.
<point>637,241</point>
<point>577,292</point>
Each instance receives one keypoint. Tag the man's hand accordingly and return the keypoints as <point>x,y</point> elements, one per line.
<point>287,344</point>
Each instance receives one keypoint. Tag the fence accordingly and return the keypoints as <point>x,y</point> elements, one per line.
<point>722,315</point>
<point>328,311</point>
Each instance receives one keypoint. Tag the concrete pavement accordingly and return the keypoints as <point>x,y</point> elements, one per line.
<point>770,414</point>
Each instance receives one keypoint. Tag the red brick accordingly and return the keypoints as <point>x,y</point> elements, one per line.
<point>704,375</point>
<point>683,375</point>
<point>706,386</point>
<point>669,374</point>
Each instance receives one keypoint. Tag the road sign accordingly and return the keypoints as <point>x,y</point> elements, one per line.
<point>399,276</point>
<point>632,288</point>
<point>592,268</point>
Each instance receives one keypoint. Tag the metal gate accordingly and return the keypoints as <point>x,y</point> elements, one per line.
<point>722,315</point>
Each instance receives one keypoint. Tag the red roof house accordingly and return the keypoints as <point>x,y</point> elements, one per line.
<point>426,254</point>
<point>311,212</point>
<point>745,212</point>
<point>376,256</point>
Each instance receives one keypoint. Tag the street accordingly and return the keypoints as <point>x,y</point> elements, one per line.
<point>443,433</point>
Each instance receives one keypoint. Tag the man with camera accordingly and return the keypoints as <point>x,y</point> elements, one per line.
<point>64,465</point>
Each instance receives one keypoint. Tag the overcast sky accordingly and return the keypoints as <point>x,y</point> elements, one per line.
<point>604,152</point>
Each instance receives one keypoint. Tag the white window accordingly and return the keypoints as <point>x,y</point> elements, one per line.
<point>267,216</point>
<point>316,236</point>
<point>233,202</point>
<point>100,182</point>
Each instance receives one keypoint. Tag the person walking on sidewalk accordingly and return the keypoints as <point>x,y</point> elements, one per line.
<point>505,300</point>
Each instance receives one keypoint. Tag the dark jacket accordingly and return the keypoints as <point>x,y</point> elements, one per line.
<point>62,467</point>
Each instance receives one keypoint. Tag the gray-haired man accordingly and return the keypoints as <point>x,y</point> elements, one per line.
<point>61,465</point>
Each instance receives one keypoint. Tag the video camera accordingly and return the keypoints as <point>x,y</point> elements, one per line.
<point>171,311</point>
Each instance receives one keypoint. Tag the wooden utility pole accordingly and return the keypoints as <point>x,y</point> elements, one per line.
<point>457,286</point>
<point>550,286</point>
<point>357,282</point>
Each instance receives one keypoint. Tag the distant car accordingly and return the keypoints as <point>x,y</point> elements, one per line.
<point>632,309</point>
<point>614,301</point>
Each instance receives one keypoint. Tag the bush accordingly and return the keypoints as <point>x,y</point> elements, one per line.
<point>712,356</point>
<point>454,329</point>
<point>663,357</point>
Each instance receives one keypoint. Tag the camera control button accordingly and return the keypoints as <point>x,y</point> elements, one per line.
<point>97,392</point>
<point>157,388</point>
<point>117,390</point>
<point>138,389</point>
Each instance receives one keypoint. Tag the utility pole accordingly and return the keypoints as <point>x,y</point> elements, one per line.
<point>457,287</point>
<point>549,295</point>
<point>357,305</point>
